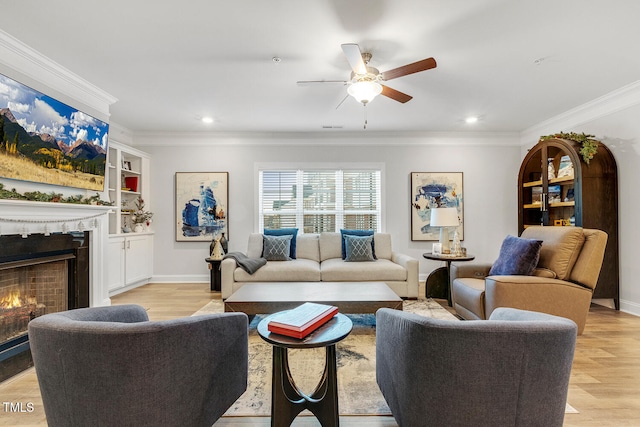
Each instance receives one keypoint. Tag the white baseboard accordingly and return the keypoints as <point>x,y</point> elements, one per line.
<point>630,307</point>
<point>190,278</point>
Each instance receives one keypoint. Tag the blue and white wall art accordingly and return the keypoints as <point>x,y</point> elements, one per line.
<point>430,190</point>
<point>201,205</point>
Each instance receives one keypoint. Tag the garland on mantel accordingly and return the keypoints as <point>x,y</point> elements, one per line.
<point>589,145</point>
<point>38,196</point>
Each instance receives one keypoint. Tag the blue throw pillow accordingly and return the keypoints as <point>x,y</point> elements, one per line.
<point>518,256</point>
<point>276,248</point>
<point>358,248</point>
<point>357,233</point>
<point>284,232</point>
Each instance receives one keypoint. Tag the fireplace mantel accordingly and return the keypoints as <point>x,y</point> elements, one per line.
<point>26,217</point>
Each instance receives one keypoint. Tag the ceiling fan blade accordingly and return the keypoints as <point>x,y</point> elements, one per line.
<point>354,56</point>
<point>395,94</point>
<point>315,82</point>
<point>341,102</point>
<point>425,64</point>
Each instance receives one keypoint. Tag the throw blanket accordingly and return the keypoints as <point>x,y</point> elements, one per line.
<point>250,265</point>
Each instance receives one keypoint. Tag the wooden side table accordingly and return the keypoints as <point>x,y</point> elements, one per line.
<point>441,277</point>
<point>216,277</point>
<point>287,400</point>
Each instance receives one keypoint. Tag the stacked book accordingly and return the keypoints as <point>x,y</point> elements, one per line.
<point>302,320</point>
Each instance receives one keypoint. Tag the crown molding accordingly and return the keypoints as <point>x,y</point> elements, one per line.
<point>612,102</point>
<point>162,139</point>
<point>18,56</point>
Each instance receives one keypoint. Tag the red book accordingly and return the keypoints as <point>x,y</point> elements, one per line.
<point>302,320</point>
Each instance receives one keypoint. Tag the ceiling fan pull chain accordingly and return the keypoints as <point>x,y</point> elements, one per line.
<point>365,116</point>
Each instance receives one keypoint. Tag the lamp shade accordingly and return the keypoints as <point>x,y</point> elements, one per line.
<point>444,217</point>
<point>364,91</point>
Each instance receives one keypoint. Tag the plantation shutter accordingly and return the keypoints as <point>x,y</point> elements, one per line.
<point>320,200</point>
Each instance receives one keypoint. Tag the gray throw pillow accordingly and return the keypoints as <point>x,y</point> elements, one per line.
<point>518,256</point>
<point>358,248</point>
<point>276,248</point>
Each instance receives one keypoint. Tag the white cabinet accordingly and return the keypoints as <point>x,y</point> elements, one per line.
<point>129,255</point>
<point>130,261</point>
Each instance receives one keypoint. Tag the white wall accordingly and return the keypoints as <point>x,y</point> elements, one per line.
<point>490,165</point>
<point>613,119</point>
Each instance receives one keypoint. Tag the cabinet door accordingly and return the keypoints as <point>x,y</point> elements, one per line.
<point>115,263</point>
<point>139,258</point>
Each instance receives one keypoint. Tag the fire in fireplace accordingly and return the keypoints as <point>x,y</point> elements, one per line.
<point>38,275</point>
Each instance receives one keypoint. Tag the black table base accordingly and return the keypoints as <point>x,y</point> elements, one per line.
<point>288,400</point>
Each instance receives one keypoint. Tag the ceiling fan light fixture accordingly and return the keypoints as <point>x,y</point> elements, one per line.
<point>364,91</point>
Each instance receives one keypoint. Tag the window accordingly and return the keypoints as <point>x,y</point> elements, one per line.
<point>320,200</point>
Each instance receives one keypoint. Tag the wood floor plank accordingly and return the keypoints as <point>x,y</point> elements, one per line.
<point>604,387</point>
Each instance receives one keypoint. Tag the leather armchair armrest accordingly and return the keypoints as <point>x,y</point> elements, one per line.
<point>552,296</point>
<point>475,271</point>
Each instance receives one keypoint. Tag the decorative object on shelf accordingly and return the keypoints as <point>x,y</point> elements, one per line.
<point>35,155</point>
<point>456,247</point>
<point>434,190</point>
<point>589,146</point>
<point>444,218</point>
<point>37,196</point>
<point>140,217</point>
<point>201,205</point>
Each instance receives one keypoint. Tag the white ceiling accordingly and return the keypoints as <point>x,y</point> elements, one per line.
<point>170,62</point>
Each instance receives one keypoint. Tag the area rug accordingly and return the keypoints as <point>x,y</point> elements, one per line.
<point>357,388</point>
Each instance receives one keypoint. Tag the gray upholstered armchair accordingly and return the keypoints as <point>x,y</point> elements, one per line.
<point>512,370</point>
<point>110,366</point>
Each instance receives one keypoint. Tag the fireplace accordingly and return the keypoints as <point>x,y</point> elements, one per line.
<point>39,274</point>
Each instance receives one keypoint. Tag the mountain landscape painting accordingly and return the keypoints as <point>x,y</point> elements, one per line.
<point>44,140</point>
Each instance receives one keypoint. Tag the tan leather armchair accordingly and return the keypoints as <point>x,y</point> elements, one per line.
<point>562,285</point>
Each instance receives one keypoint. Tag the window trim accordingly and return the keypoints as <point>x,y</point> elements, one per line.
<point>267,166</point>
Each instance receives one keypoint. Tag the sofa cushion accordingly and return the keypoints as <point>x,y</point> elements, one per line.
<point>358,248</point>
<point>344,233</point>
<point>285,232</point>
<point>308,246</point>
<point>296,270</point>
<point>560,247</point>
<point>254,248</point>
<point>276,248</point>
<point>517,257</point>
<point>382,245</point>
<point>380,270</point>
<point>330,245</point>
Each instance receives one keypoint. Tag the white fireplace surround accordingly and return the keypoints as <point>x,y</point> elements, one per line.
<point>25,218</point>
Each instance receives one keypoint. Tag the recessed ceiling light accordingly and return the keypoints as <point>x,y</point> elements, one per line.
<point>276,59</point>
<point>207,119</point>
<point>471,119</point>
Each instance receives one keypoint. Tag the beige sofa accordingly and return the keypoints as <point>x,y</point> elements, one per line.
<point>319,258</point>
<point>563,284</point>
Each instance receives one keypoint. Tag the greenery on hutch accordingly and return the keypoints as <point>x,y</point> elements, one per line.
<point>589,145</point>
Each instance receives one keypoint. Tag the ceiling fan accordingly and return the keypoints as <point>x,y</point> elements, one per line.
<point>365,82</point>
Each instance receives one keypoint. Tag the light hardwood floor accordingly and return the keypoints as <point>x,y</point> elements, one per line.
<point>604,388</point>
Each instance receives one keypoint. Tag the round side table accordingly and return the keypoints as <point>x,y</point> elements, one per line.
<point>287,400</point>
<point>441,277</point>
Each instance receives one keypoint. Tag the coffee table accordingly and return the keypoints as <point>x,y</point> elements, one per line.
<point>349,297</point>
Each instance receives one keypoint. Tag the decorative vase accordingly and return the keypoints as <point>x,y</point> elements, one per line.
<point>138,228</point>
<point>456,247</point>
<point>224,243</point>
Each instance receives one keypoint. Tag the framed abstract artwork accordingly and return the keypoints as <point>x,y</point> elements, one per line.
<point>202,200</point>
<point>430,190</point>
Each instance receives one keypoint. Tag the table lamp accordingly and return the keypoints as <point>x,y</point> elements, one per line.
<point>444,218</point>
